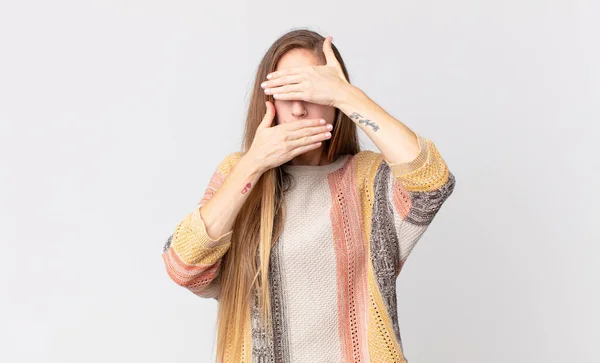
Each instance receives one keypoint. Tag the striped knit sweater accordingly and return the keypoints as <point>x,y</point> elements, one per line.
<point>349,228</point>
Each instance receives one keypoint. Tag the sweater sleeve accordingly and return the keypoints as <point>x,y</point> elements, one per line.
<point>409,195</point>
<point>192,258</point>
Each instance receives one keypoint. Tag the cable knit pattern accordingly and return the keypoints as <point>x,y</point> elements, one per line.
<point>350,227</point>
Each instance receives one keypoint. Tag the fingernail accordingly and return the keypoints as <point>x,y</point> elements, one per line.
<point>322,122</point>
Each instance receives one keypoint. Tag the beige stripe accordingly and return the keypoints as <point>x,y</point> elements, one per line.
<point>308,272</point>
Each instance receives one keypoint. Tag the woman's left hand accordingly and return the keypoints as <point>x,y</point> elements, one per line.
<point>324,85</point>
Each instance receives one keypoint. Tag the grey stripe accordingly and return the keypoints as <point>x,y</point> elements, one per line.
<point>270,347</point>
<point>425,205</point>
<point>168,243</point>
<point>384,245</point>
<point>262,347</point>
<point>278,309</point>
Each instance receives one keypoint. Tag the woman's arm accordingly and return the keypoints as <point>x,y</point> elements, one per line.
<point>397,142</point>
<point>193,253</point>
<point>414,160</point>
<point>219,210</point>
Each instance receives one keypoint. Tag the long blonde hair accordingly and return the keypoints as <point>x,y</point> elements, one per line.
<point>245,266</point>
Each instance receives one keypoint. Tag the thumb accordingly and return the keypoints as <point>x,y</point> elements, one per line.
<point>331,60</point>
<point>269,115</point>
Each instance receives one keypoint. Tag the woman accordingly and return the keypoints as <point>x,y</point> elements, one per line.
<point>301,235</point>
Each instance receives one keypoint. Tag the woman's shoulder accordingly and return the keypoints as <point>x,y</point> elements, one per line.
<point>364,165</point>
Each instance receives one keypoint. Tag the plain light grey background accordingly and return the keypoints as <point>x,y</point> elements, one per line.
<point>114,115</point>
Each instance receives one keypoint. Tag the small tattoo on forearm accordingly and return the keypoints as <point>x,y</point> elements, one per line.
<point>246,188</point>
<point>356,116</point>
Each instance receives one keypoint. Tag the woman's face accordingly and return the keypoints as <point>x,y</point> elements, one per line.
<point>294,110</point>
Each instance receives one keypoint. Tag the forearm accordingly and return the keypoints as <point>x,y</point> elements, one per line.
<point>219,213</point>
<point>396,141</point>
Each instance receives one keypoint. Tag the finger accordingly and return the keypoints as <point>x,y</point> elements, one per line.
<point>267,120</point>
<point>302,149</point>
<point>308,131</point>
<point>291,96</point>
<point>307,140</point>
<point>328,50</point>
<point>284,89</point>
<point>296,125</point>
<point>286,72</point>
<point>280,81</point>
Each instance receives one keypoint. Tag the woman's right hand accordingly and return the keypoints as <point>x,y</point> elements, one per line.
<point>275,145</point>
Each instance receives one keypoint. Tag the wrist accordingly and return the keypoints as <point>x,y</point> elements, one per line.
<point>349,95</point>
<point>251,165</point>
